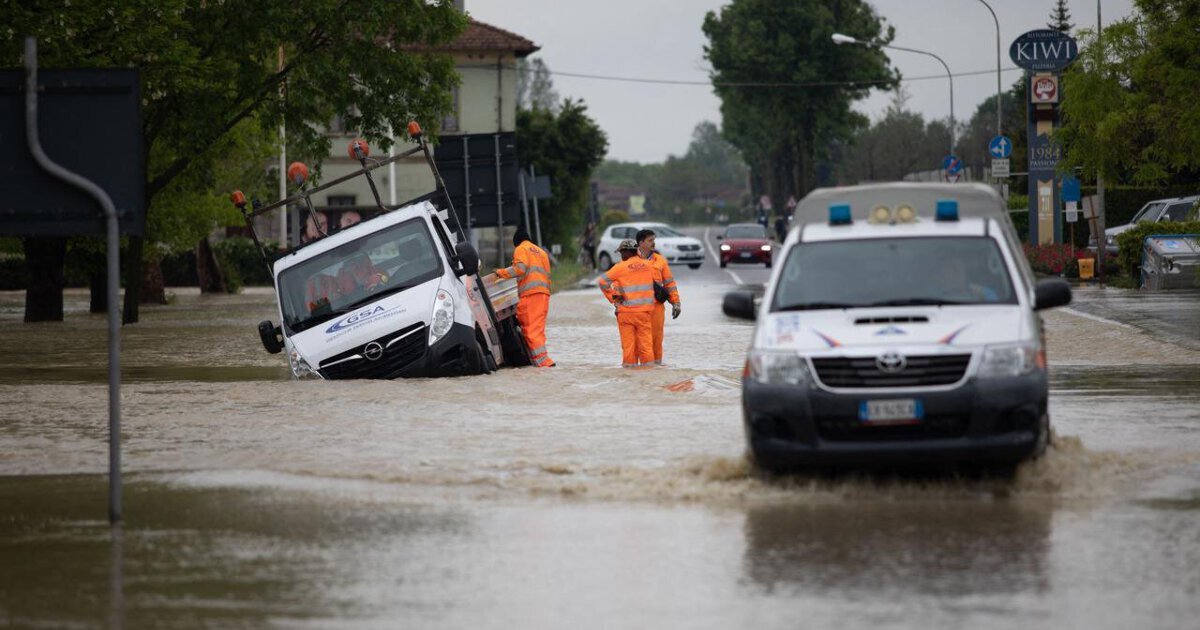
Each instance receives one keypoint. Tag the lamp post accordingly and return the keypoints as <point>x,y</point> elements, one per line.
<point>999,93</point>
<point>839,38</point>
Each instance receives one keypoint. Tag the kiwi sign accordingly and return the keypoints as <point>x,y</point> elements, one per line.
<point>1043,50</point>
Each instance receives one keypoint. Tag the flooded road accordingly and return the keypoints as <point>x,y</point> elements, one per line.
<point>585,495</point>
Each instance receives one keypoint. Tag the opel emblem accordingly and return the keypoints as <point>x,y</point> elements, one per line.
<point>890,362</point>
<point>373,351</point>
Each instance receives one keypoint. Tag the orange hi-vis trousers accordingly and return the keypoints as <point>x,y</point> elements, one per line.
<point>636,338</point>
<point>531,314</point>
<point>658,320</point>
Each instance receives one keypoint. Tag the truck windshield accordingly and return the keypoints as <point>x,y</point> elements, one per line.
<point>357,272</point>
<point>894,272</point>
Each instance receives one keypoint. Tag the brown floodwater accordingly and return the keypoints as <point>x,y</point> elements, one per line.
<point>586,495</point>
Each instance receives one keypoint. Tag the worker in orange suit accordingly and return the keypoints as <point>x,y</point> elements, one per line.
<point>531,268</point>
<point>629,285</point>
<point>669,291</point>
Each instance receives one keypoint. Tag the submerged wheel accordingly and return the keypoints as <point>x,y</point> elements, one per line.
<point>1043,439</point>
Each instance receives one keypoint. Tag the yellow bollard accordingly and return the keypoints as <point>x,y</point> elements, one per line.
<point>1087,268</point>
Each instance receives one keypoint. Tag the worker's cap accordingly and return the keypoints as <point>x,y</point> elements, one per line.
<point>627,245</point>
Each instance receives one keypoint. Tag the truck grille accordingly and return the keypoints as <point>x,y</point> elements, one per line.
<point>853,430</point>
<point>407,346</point>
<point>920,371</point>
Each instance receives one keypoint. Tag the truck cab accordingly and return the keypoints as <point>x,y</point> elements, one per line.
<point>900,326</point>
<point>396,295</point>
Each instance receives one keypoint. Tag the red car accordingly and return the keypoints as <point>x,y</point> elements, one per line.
<point>745,243</point>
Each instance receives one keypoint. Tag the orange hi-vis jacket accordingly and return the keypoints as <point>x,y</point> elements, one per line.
<point>630,285</point>
<point>531,268</point>
<point>664,276</point>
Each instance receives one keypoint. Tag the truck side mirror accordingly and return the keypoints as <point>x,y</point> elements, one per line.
<point>468,258</point>
<point>1051,293</point>
<point>739,304</point>
<point>271,336</point>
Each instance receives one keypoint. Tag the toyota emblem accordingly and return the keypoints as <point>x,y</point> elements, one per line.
<point>373,351</point>
<point>890,362</point>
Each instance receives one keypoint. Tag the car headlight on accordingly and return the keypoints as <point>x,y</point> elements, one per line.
<point>1012,360</point>
<point>443,316</point>
<point>766,248</point>
<point>301,370</point>
<point>725,248</point>
<point>777,367</point>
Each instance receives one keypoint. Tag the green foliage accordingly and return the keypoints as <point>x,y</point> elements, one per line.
<point>567,146</point>
<point>214,94</point>
<point>1129,242</point>
<point>1138,121</point>
<point>784,132</point>
<point>1020,220</point>
<point>1060,17</point>
<point>1121,203</point>
<point>239,261</point>
<point>1018,202</point>
<point>612,217</point>
<point>898,144</point>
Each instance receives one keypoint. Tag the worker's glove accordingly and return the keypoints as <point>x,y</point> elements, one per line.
<point>675,310</point>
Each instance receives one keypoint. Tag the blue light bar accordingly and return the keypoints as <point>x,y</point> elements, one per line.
<point>839,214</point>
<point>947,210</point>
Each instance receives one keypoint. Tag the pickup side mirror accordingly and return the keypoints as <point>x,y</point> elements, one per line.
<point>468,258</point>
<point>739,304</point>
<point>271,336</point>
<point>1051,293</point>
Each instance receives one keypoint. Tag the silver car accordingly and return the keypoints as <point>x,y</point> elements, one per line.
<point>1170,209</point>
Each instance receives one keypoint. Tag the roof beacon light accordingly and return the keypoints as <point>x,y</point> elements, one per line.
<point>906,214</point>
<point>297,172</point>
<point>880,214</point>
<point>947,210</point>
<point>358,149</point>
<point>414,129</point>
<point>239,199</point>
<point>839,214</point>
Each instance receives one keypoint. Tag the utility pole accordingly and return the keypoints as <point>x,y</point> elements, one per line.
<point>1101,244</point>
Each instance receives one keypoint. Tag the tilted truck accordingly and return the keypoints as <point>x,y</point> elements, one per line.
<point>395,295</point>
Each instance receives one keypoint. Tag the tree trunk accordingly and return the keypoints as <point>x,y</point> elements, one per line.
<point>44,261</point>
<point>154,286</point>
<point>133,280</point>
<point>208,270</point>
<point>98,287</point>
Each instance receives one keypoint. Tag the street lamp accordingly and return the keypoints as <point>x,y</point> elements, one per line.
<point>839,38</point>
<point>999,94</point>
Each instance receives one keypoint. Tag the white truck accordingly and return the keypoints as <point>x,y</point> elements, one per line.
<point>395,295</point>
<point>899,326</point>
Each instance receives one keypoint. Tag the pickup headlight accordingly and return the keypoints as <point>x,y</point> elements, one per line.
<point>1011,360</point>
<point>443,316</point>
<point>725,248</point>
<point>777,367</point>
<point>301,370</point>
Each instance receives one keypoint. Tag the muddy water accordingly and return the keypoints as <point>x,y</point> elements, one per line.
<point>583,495</point>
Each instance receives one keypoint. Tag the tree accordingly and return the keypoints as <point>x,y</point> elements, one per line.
<point>1139,122</point>
<point>535,88</point>
<point>783,132</point>
<point>567,146</point>
<point>1060,18</point>
<point>209,67</point>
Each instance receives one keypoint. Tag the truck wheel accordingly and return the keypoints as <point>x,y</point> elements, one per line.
<point>487,362</point>
<point>605,261</point>
<point>513,344</point>
<point>1043,439</point>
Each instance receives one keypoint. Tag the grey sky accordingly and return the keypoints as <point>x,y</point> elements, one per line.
<point>661,39</point>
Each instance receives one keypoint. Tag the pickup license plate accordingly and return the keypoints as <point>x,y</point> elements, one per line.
<point>895,411</point>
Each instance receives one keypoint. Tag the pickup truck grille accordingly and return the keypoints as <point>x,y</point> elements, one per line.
<point>407,345</point>
<point>854,430</point>
<point>920,371</point>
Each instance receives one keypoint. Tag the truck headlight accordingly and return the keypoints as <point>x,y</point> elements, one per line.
<point>1011,360</point>
<point>301,370</point>
<point>443,316</point>
<point>777,367</point>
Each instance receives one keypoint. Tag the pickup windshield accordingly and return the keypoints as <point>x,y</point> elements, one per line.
<point>934,271</point>
<point>356,273</point>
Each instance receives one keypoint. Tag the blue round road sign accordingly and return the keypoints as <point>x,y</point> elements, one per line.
<point>952,165</point>
<point>1000,147</point>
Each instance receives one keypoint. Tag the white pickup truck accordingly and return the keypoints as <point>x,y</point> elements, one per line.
<point>396,295</point>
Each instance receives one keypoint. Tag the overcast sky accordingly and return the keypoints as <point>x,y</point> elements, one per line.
<point>661,39</point>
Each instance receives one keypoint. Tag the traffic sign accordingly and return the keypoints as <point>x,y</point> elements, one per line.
<point>1000,168</point>
<point>952,168</point>
<point>1070,189</point>
<point>1000,147</point>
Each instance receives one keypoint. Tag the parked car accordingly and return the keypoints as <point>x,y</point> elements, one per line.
<point>675,247</point>
<point>1170,209</point>
<point>745,243</point>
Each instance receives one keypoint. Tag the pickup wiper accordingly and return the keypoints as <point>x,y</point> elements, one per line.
<point>917,302</point>
<point>815,306</point>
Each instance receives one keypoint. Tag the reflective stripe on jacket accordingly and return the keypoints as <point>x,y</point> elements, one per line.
<point>630,285</point>
<point>531,268</point>
<point>664,276</point>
